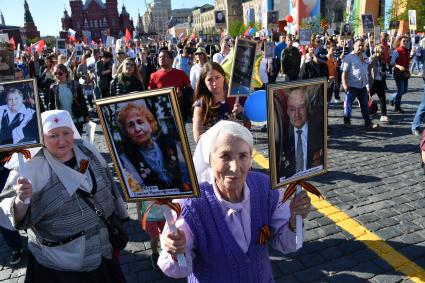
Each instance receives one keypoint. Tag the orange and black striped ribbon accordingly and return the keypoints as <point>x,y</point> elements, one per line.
<point>292,187</point>
<point>265,235</point>
<point>168,202</point>
<point>84,164</point>
<point>8,155</point>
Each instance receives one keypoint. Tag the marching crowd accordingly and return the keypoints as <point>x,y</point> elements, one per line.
<point>218,233</point>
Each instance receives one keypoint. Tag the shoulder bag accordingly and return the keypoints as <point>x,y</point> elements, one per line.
<point>118,236</point>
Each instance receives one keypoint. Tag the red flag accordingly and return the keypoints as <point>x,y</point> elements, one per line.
<point>40,46</point>
<point>128,35</point>
<point>12,42</point>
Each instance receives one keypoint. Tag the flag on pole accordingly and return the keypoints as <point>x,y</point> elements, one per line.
<point>12,42</point>
<point>39,46</point>
<point>71,34</point>
<point>128,35</point>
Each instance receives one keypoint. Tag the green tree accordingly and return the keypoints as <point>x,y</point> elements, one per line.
<point>405,6</point>
<point>235,28</point>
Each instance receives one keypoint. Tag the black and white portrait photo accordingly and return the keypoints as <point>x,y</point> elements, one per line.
<point>220,17</point>
<point>346,30</point>
<point>367,23</point>
<point>19,117</point>
<point>243,66</point>
<point>412,19</point>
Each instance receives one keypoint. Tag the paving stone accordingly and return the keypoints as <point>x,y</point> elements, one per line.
<point>385,278</point>
<point>5,274</point>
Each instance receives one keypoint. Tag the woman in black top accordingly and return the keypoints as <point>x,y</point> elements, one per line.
<point>128,79</point>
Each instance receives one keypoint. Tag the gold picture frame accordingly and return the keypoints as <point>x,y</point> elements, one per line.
<point>292,106</point>
<point>242,67</point>
<point>148,144</point>
<point>20,120</point>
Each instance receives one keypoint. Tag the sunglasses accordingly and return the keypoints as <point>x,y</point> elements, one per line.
<point>129,65</point>
<point>120,53</point>
<point>58,74</point>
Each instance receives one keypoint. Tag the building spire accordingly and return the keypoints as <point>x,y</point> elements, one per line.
<point>2,19</point>
<point>28,17</point>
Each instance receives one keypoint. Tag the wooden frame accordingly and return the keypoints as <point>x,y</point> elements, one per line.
<point>285,116</point>
<point>150,119</point>
<point>242,67</point>
<point>28,131</point>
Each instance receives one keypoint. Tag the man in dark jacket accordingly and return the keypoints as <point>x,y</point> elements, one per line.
<point>291,60</point>
<point>104,73</point>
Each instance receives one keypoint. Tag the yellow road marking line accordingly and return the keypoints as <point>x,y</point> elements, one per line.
<point>375,243</point>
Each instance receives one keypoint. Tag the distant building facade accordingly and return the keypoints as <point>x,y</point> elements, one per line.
<point>199,15</point>
<point>97,17</point>
<point>157,16</point>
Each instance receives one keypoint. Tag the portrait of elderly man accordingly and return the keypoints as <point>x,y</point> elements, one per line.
<point>16,120</point>
<point>299,132</point>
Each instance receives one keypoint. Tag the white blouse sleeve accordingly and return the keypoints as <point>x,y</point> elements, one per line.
<point>170,267</point>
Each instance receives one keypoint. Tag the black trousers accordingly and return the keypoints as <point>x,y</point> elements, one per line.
<point>378,87</point>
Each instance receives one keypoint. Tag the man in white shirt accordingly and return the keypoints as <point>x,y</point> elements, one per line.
<point>224,50</point>
<point>201,58</point>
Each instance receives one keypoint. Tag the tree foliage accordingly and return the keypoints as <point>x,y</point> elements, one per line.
<point>405,6</point>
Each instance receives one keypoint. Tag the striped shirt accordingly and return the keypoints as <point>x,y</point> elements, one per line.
<point>55,216</point>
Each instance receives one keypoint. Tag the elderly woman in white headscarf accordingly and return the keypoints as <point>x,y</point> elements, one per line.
<point>222,233</point>
<point>67,241</point>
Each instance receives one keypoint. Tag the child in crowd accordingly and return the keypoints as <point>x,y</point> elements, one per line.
<point>155,222</point>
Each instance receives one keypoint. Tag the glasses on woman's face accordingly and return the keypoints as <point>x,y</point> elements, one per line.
<point>58,74</point>
<point>120,53</point>
<point>129,65</point>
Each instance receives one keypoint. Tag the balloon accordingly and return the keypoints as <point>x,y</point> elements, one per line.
<point>255,107</point>
<point>251,31</point>
<point>289,19</point>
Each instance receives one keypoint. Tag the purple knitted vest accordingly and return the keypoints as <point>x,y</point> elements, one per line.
<point>218,257</point>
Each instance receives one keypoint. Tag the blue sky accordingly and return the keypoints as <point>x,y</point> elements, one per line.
<point>47,14</point>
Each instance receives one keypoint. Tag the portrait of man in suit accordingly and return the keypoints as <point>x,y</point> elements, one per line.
<point>299,132</point>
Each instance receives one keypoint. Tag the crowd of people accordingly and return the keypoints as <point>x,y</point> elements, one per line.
<point>219,232</point>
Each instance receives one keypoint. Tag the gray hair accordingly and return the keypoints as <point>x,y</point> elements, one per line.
<point>235,130</point>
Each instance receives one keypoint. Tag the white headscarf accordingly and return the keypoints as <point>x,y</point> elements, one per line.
<point>58,118</point>
<point>206,144</point>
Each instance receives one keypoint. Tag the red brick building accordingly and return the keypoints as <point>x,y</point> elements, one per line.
<point>30,29</point>
<point>97,17</point>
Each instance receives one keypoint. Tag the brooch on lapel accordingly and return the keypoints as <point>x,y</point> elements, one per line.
<point>144,172</point>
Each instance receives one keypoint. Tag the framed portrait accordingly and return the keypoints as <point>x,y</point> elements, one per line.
<point>272,18</point>
<point>61,46</point>
<point>269,49</point>
<point>148,144</point>
<point>377,34</point>
<point>367,23</point>
<point>412,19</point>
<point>297,123</point>
<point>346,31</point>
<point>20,122</point>
<point>7,64</point>
<point>305,36</point>
<point>220,17</point>
<point>242,67</point>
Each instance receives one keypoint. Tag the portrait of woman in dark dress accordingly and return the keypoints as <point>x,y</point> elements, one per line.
<point>151,158</point>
